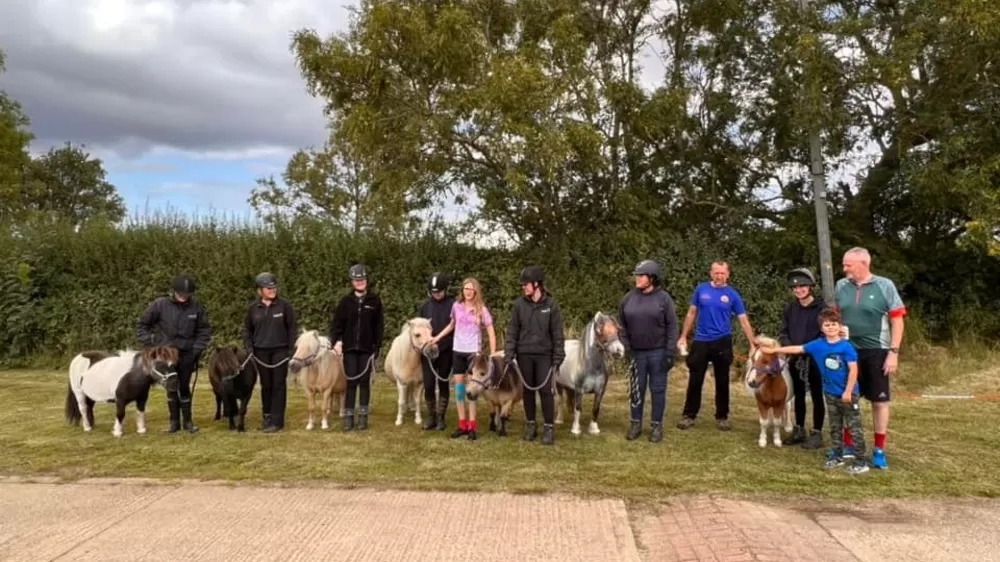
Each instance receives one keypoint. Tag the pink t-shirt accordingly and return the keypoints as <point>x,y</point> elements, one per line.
<point>468,335</point>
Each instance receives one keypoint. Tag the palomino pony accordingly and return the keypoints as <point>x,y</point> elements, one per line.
<point>320,371</point>
<point>770,383</point>
<point>98,376</point>
<point>587,369</point>
<point>501,387</point>
<point>233,376</point>
<point>403,364</point>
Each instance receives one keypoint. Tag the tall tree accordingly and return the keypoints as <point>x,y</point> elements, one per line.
<point>332,183</point>
<point>70,184</point>
<point>15,139</point>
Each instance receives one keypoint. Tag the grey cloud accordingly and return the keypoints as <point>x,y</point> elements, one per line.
<point>212,81</point>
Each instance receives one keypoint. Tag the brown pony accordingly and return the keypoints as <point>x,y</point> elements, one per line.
<point>233,377</point>
<point>96,376</point>
<point>501,387</point>
<point>770,383</point>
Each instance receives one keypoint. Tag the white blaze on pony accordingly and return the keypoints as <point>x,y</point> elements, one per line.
<point>98,376</point>
<point>320,371</point>
<point>769,381</point>
<point>587,369</point>
<point>403,364</point>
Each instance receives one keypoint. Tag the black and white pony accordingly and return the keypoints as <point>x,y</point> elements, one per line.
<point>587,368</point>
<point>119,378</point>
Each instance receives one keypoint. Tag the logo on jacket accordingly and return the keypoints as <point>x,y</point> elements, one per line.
<point>192,316</point>
<point>724,298</point>
<point>278,315</point>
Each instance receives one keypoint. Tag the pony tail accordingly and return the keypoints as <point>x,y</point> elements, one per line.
<point>72,409</point>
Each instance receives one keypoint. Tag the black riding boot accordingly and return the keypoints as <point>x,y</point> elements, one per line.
<point>798,435</point>
<point>442,413</point>
<point>548,434</point>
<point>175,414</point>
<point>265,422</point>
<point>363,418</point>
<point>189,425</point>
<point>634,430</point>
<point>432,416</point>
<point>348,420</point>
<point>529,431</point>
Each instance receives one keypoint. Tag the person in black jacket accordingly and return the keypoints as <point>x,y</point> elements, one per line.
<point>269,332</point>
<point>799,325</point>
<point>357,329</point>
<point>438,310</point>
<point>649,332</point>
<point>535,341</point>
<point>181,322</point>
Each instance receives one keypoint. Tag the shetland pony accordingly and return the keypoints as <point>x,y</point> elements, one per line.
<point>402,364</point>
<point>98,376</point>
<point>587,369</point>
<point>233,377</point>
<point>320,371</point>
<point>501,388</point>
<point>770,383</point>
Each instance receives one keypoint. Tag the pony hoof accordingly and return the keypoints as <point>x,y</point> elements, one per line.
<point>399,421</point>
<point>762,442</point>
<point>575,430</point>
<point>309,426</point>
<point>325,425</point>
<point>117,433</point>
<point>777,443</point>
<point>88,429</point>
<point>141,431</point>
<point>594,429</point>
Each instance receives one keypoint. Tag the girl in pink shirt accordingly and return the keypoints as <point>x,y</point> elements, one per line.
<point>468,317</point>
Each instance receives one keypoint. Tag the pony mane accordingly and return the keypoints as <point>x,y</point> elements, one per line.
<point>225,360</point>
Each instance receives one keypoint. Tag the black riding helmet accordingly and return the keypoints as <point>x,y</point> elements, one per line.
<point>532,274</point>
<point>183,286</point>
<point>650,268</point>
<point>438,282</point>
<point>800,277</point>
<point>358,271</point>
<point>266,280</point>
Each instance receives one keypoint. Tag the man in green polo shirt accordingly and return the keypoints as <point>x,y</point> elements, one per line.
<point>873,312</point>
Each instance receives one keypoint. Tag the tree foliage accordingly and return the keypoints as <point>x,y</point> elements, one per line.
<point>65,183</point>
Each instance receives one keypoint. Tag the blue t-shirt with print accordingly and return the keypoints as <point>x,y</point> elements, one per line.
<point>832,359</point>
<point>716,306</point>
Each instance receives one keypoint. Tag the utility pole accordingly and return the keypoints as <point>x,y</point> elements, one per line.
<point>819,200</point>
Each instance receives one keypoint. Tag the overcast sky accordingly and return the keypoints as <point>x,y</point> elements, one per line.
<point>187,101</point>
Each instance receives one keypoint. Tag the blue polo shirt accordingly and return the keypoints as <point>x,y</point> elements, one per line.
<point>716,307</point>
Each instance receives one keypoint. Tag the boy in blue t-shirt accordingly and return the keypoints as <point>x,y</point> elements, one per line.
<point>838,363</point>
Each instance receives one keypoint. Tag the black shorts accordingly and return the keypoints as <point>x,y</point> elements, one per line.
<point>871,375</point>
<point>460,363</point>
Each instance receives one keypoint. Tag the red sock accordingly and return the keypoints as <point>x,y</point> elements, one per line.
<point>880,440</point>
<point>471,425</point>
<point>848,440</point>
<point>462,425</point>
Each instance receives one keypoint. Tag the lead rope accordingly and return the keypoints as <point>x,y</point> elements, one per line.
<point>635,399</point>
<point>520,375</point>
<point>368,367</point>
<point>433,370</point>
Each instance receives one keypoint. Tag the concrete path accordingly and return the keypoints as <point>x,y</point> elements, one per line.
<point>136,521</point>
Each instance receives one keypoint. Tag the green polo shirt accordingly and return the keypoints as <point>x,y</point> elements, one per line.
<point>866,310</point>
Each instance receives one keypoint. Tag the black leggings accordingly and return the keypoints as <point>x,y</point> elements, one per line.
<point>796,369</point>
<point>535,368</point>
<point>355,363</point>
<point>187,362</point>
<point>720,353</point>
<point>273,383</point>
<point>443,367</point>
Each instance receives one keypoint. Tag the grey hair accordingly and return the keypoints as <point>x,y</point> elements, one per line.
<point>862,254</point>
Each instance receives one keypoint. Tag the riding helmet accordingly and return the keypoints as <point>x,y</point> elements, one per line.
<point>358,271</point>
<point>438,282</point>
<point>267,280</point>
<point>183,285</point>
<point>650,268</point>
<point>800,277</point>
<point>532,274</point>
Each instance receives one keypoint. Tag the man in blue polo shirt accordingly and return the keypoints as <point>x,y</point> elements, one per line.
<point>713,304</point>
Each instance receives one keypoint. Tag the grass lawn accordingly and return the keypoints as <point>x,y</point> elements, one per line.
<point>935,447</point>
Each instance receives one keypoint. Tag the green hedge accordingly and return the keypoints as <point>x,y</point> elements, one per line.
<point>68,290</point>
